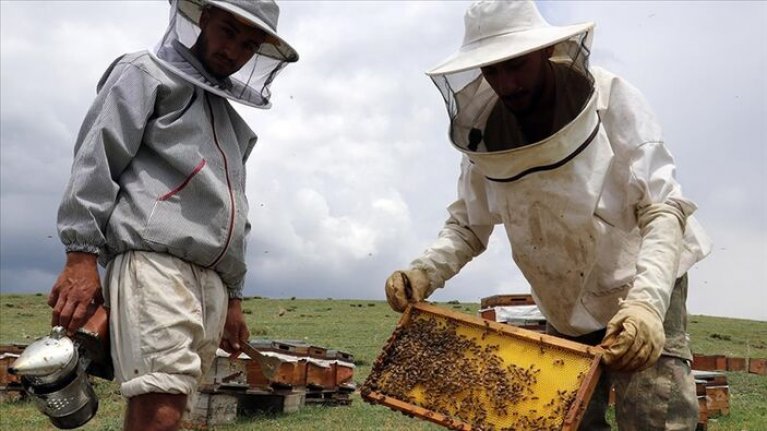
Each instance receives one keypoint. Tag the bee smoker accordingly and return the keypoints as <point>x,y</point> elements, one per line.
<point>54,371</point>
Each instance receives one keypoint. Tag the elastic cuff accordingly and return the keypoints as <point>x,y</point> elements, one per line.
<point>159,383</point>
<point>435,281</point>
<point>626,303</point>
<point>234,293</point>
<point>84,248</point>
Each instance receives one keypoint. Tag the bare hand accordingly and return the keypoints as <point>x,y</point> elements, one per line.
<point>235,330</point>
<point>76,293</point>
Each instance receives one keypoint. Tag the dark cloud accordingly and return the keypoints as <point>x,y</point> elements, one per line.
<point>353,170</point>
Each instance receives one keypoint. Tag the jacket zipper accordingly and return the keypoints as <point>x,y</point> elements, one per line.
<point>228,186</point>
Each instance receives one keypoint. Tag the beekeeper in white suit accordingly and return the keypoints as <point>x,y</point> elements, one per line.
<point>571,160</point>
<point>157,195</point>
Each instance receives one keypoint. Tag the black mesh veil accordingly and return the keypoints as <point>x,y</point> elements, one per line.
<point>249,85</point>
<point>469,99</point>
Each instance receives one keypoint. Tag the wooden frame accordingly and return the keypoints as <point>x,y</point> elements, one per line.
<point>576,410</point>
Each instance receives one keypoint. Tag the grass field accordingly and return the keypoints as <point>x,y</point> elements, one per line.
<point>361,327</point>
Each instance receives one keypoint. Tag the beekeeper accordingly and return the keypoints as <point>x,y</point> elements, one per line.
<point>157,195</point>
<point>571,160</point>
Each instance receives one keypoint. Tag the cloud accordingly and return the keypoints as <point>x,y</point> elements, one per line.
<point>353,170</point>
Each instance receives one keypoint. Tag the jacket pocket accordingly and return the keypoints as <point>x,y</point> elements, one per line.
<point>184,183</point>
<point>189,220</point>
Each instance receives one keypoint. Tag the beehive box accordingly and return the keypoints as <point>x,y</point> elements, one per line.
<point>290,373</point>
<point>225,371</point>
<point>465,373</point>
<point>717,392</point>
<point>506,300</point>
<point>515,309</point>
<point>757,366</point>
<point>211,410</point>
<point>700,392</point>
<point>255,401</point>
<point>709,362</point>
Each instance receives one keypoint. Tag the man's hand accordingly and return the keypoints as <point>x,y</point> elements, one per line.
<point>634,339</point>
<point>404,287</point>
<point>76,293</point>
<point>235,330</point>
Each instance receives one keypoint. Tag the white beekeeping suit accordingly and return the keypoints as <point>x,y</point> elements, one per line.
<point>592,211</point>
<point>571,160</point>
<point>250,84</point>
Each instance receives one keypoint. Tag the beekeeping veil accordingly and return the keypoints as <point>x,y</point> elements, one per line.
<point>250,84</point>
<point>480,125</point>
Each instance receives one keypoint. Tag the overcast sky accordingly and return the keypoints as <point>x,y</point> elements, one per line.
<point>353,170</point>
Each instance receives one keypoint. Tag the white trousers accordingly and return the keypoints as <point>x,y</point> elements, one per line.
<point>166,320</point>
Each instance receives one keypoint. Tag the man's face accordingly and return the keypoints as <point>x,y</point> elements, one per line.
<point>226,43</point>
<point>519,82</point>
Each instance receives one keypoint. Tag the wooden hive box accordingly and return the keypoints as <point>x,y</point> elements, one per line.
<point>295,348</point>
<point>341,356</point>
<point>8,355</point>
<point>344,374</point>
<point>254,401</point>
<point>324,369</point>
<point>736,364</point>
<point>757,366</point>
<point>292,369</point>
<point>465,373</point>
<point>210,410</point>
<point>317,352</point>
<point>700,392</point>
<point>225,371</point>
<point>488,314</point>
<point>506,300</point>
<point>321,374</point>
<point>6,378</point>
<point>709,362</point>
<point>497,308</point>
<point>290,373</point>
<point>717,392</point>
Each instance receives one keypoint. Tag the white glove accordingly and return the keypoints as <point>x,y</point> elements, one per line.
<point>405,287</point>
<point>634,339</point>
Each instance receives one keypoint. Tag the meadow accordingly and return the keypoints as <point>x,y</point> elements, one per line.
<point>361,327</point>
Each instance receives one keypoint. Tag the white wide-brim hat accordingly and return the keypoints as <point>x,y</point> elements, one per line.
<point>501,30</point>
<point>260,13</point>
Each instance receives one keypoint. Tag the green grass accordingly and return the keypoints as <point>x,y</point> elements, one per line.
<point>730,337</point>
<point>361,327</point>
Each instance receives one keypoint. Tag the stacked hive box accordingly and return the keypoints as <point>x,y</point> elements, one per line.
<point>304,373</point>
<point>515,309</point>
<point>10,385</point>
<point>717,392</point>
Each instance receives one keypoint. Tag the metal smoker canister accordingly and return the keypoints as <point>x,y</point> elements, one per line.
<point>53,372</point>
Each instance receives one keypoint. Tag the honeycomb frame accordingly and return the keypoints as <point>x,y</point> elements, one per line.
<point>524,380</point>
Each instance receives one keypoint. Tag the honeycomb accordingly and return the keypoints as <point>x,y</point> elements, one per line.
<point>465,373</point>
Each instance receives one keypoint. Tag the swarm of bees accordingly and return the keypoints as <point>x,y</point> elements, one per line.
<point>432,366</point>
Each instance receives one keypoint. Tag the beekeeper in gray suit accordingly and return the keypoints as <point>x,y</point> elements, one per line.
<point>157,194</point>
<point>571,160</point>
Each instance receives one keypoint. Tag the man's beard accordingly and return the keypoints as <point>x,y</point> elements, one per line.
<point>534,99</point>
<point>202,51</point>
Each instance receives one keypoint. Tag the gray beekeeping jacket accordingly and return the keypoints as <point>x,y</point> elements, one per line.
<point>159,162</point>
<point>159,166</point>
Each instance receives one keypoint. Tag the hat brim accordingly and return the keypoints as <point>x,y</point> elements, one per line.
<point>506,46</point>
<point>274,47</point>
